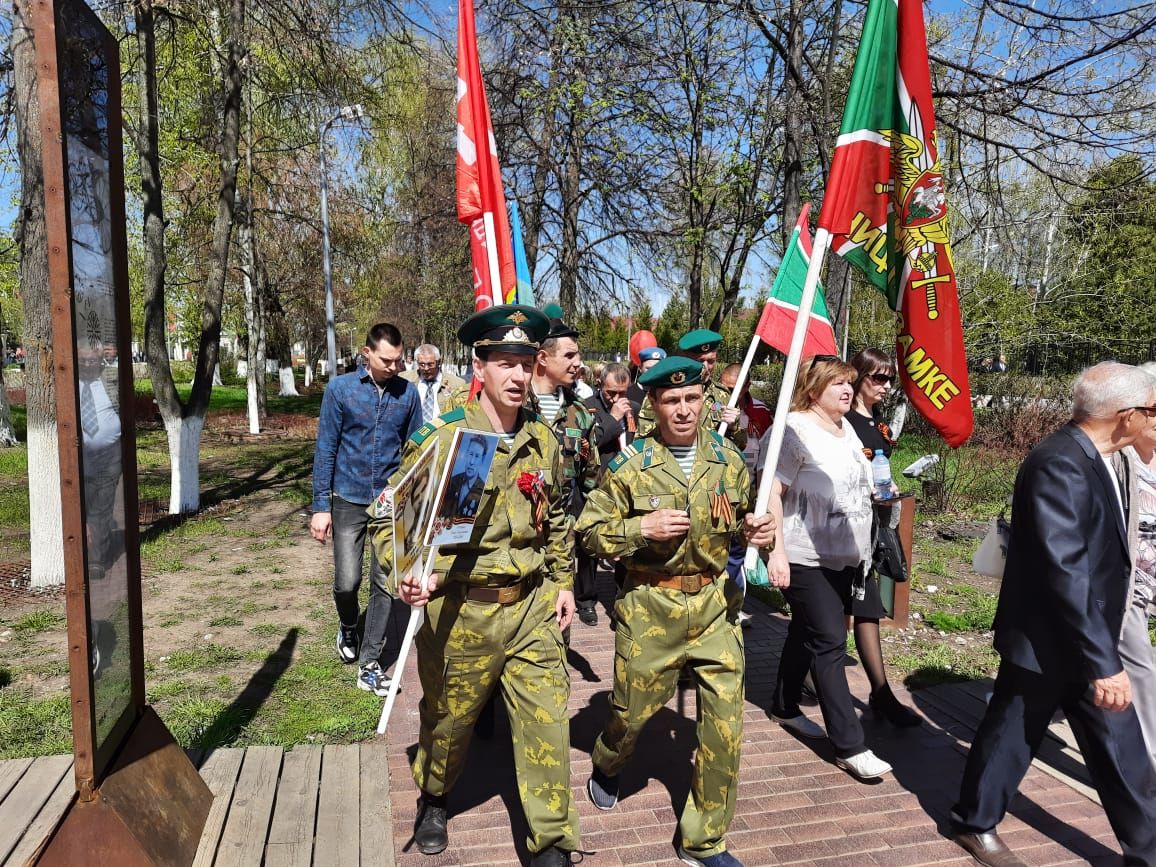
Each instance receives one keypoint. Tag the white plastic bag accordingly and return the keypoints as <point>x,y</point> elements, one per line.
<point>991,555</point>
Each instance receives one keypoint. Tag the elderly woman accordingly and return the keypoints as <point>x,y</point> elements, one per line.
<point>821,501</point>
<point>874,373</point>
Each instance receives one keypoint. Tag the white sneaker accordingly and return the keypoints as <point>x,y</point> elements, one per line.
<point>865,765</point>
<point>801,726</point>
<point>745,619</point>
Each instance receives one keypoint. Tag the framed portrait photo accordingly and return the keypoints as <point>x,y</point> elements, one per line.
<point>463,483</point>
<point>408,504</point>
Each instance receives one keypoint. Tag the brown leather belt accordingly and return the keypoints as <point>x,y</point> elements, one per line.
<point>507,595</point>
<point>685,583</point>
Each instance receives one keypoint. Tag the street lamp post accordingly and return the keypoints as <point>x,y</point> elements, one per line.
<point>348,113</point>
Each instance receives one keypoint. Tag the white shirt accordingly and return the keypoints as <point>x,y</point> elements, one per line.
<point>827,507</point>
<point>108,419</point>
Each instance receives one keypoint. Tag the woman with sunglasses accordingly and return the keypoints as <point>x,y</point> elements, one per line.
<point>875,373</point>
<point>821,502</point>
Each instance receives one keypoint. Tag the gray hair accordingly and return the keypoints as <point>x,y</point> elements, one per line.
<point>1104,389</point>
<point>428,349</point>
<point>1149,367</point>
<point>615,371</point>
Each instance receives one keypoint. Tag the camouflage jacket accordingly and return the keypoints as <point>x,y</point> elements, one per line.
<point>576,429</point>
<point>714,398</point>
<point>505,544</point>
<point>645,477</point>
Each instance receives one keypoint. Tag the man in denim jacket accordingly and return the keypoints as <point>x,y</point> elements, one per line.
<point>366,417</point>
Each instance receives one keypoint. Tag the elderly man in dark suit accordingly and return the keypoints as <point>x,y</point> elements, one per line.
<point>1060,609</point>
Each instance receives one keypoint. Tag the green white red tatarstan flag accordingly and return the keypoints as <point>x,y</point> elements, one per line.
<point>886,209</point>
<point>777,323</point>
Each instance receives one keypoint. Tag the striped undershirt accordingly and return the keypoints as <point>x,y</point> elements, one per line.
<point>685,457</point>
<point>549,404</point>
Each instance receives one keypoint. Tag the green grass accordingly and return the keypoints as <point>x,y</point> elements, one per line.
<point>202,657</point>
<point>975,613</point>
<point>927,663</point>
<point>38,621</point>
<point>34,727</point>
<point>226,620</point>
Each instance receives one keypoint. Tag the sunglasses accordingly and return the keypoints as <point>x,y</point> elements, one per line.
<point>880,378</point>
<point>815,359</point>
<point>1148,411</point>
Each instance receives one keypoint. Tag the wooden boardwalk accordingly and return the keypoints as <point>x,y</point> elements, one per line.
<point>309,805</point>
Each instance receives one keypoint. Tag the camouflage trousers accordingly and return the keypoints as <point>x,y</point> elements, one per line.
<point>464,650</point>
<point>660,631</point>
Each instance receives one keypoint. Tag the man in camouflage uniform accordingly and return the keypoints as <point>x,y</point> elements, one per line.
<point>552,396</point>
<point>669,506</point>
<point>496,605</point>
<point>702,345</point>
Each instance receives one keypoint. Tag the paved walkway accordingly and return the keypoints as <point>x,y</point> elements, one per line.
<point>794,805</point>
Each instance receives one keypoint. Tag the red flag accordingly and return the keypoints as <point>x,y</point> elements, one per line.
<point>777,323</point>
<point>886,210</point>
<point>479,176</point>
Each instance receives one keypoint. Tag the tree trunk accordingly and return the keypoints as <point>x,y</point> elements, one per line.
<point>793,124</point>
<point>184,423</point>
<point>254,371</point>
<point>184,436</point>
<point>46,540</point>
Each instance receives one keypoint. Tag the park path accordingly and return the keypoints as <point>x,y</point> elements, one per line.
<point>794,805</point>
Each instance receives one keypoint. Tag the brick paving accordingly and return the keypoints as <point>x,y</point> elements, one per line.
<point>794,805</point>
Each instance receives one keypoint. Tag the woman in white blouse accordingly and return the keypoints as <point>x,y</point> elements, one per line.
<point>821,501</point>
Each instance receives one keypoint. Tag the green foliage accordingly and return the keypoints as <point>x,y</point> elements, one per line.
<point>672,324</point>
<point>201,657</point>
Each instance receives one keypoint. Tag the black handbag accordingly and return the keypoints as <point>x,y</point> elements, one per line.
<point>887,559</point>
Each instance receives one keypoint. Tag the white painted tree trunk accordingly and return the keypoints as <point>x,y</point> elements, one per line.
<point>217,375</point>
<point>288,385</point>
<point>185,457</point>
<point>308,375</point>
<point>46,540</point>
<point>242,367</point>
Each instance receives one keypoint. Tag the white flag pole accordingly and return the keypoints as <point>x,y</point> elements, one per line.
<point>790,374</point>
<point>415,618</point>
<point>492,257</point>
<point>742,380</point>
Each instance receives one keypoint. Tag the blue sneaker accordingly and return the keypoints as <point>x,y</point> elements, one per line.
<point>372,679</point>
<point>720,859</point>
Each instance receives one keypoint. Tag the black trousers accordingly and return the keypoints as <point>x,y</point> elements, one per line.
<point>584,570</point>
<point>1010,734</point>
<point>817,640</point>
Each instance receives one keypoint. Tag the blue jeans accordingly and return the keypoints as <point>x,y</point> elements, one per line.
<point>349,522</point>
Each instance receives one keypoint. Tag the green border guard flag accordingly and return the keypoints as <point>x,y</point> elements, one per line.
<point>886,209</point>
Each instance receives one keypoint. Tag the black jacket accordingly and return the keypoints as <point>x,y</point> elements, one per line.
<point>609,428</point>
<point>1065,585</point>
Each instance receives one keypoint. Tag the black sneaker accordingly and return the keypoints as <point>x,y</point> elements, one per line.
<point>551,857</point>
<point>603,790</point>
<point>588,614</point>
<point>347,643</point>
<point>430,829</point>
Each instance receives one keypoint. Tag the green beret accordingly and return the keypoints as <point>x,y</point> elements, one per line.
<point>505,328</point>
<point>673,372</point>
<point>700,340</point>
<point>554,311</point>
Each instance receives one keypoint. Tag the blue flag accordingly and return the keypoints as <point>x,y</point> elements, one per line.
<point>521,268</point>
